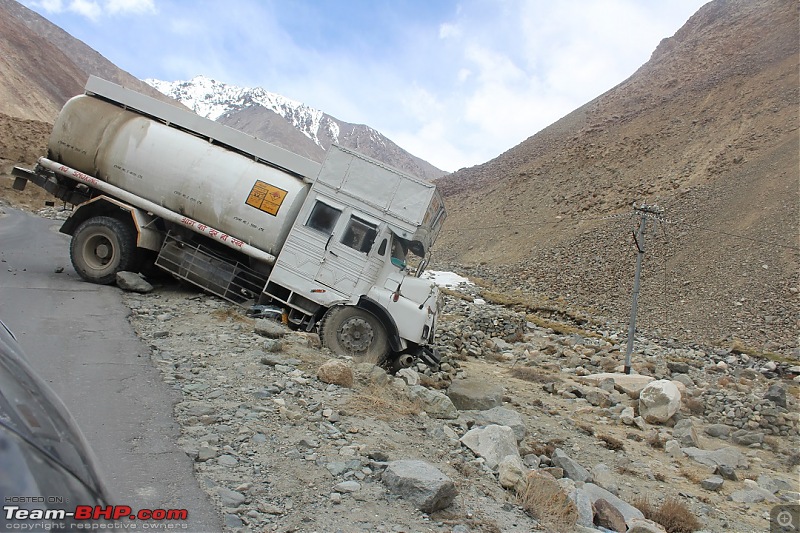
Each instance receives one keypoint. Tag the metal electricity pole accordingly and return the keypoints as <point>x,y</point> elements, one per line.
<point>644,211</point>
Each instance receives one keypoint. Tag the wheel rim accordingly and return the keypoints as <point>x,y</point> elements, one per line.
<point>98,251</point>
<point>356,335</point>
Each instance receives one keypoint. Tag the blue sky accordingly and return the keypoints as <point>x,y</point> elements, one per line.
<point>454,82</point>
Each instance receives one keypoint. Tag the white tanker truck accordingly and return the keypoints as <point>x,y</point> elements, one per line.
<point>246,220</point>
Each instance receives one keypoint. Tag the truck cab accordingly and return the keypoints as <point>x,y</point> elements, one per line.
<point>345,261</point>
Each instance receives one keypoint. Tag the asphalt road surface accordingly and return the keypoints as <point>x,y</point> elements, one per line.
<point>77,337</point>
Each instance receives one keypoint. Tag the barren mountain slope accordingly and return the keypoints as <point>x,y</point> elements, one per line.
<point>48,58</point>
<point>36,78</point>
<point>708,129</point>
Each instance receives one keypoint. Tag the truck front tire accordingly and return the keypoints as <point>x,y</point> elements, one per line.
<point>348,330</point>
<point>101,247</point>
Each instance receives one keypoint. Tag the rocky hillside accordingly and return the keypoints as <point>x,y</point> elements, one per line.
<point>708,130</point>
<point>44,66</point>
<point>519,431</point>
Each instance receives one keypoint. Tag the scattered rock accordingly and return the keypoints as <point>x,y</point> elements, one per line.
<point>336,372</point>
<point>608,516</point>
<point>643,525</point>
<point>603,477</point>
<point>595,493</point>
<point>501,416</point>
<point>347,487</point>
<point>729,457</point>
<point>472,394</point>
<point>686,434</point>
<point>722,431</point>
<point>269,328</point>
<point>726,472</point>
<point>409,375</point>
<point>713,483</point>
<point>420,483</point>
<point>747,438</point>
<point>435,403</point>
<point>659,401</point>
<point>572,469</point>
<point>512,473</point>
<point>230,498</point>
<point>493,443</point>
<point>630,384</point>
<point>626,416</point>
<point>131,281</point>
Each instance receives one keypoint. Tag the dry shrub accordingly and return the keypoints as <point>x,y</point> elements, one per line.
<point>546,501</point>
<point>384,403</point>
<point>673,514</point>
<point>231,314</point>
<point>793,460</point>
<point>456,294</point>
<point>694,475</point>
<point>612,443</point>
<point>546,448</point>
<point>528,373</point>
<point>654,440</point>
<point>588,429</point>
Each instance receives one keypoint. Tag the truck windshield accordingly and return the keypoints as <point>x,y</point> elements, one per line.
<point>399,252</point>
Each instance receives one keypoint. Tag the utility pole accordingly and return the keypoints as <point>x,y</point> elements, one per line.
<point>644,211</point>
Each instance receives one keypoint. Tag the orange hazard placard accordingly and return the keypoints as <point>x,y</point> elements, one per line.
<point>266,197</point>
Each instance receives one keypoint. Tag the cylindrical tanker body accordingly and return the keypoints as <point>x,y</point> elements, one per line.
<point>178,170</point>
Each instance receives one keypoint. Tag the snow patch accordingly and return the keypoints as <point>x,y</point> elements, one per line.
<point>446,279</point>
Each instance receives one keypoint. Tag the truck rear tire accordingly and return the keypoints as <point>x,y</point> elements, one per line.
<point>101,247</point>
<point>348,330</point>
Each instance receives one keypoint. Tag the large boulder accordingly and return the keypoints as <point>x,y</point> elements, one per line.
<point>336,372</point>
<point>436,404</point>
<point>596,493</point>
<point>421,483</point>
<point>659,401</point>
<point>512,473</point>
<point>132,282</point>
<point>502,416</point>
<point>493,443</point>
<point>728,457</point>
<point>473,394</point>
<point>572,468</point>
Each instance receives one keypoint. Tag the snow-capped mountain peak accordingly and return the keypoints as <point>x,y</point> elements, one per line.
<point>213,99</point>
<point>300,128</point>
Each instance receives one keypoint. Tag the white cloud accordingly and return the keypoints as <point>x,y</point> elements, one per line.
<point>50,6</point>
<point>93,10</point>
<point>137,7</point>
<point>447,31</point>
<point>87,8</point>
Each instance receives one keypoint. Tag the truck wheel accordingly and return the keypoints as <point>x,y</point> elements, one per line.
<point>101,247</point>
<point>348,330</point>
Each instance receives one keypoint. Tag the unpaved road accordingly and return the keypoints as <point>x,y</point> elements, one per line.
<point>78,338</point>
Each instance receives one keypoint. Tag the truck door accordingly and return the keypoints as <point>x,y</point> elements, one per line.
<point>346,259</point>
